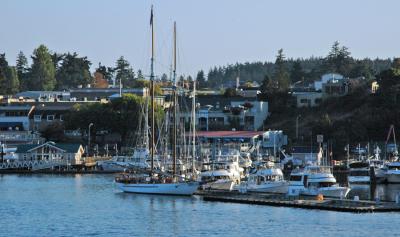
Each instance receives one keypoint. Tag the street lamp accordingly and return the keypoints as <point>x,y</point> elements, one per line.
<point>90,125</point>
<point>297,126</point>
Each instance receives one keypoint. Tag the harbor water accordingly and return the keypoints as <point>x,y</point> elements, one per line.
<point>91,205</point>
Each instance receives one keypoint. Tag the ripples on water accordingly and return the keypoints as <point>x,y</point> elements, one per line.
<point>90,205</point>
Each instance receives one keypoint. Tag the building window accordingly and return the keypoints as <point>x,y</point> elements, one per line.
<point>50,117</point>
<point>303,101</point>
<point>61,117</point>
<point>37,118</point>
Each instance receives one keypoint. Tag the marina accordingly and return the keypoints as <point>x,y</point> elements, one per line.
<point>83,205</point>
<point>194,119</point>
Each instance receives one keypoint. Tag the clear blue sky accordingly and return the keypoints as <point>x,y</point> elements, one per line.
<point>210,32</point>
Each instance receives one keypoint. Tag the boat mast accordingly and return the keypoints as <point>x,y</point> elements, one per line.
<point>152,90</point>
<point>175,105</point>
<point>194,125</point>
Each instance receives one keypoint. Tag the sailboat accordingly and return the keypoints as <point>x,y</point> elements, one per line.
<point>157,182</point>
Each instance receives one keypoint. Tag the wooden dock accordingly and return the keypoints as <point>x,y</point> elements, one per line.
<point>344,205</point>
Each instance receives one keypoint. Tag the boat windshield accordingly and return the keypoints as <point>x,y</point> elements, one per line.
<point>359,173</point>
<point>295,178</point>
<point>322,184</point>
<point>318,169</point>
<point>214,178</point>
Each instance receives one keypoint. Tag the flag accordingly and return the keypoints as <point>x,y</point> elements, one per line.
<point>151,16</point>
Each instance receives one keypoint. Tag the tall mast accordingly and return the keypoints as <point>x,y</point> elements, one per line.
<point>194,125</point>
<point>175,105</point>
<point>152,90</point>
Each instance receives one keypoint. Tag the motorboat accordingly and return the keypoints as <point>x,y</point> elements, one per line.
<point>222,173</point>
<point>314,180</point>
<point>267,179</point>
<point>120,163</point>
<point>359,172</point>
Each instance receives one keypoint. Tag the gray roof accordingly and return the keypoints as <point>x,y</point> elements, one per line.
<point>68,147</point>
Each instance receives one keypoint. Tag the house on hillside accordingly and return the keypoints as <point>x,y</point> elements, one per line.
<point>218,112</point>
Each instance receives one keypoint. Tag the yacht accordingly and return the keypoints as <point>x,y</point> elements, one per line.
<point>267,178</point>
<point>314,180</point>
<point>120,163</point>
<point>223,173</point>
<point>359,172</point>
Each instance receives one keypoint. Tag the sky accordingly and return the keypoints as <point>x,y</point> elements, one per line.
<point>209,32</point>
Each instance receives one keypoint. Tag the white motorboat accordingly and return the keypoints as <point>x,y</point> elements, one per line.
<point>267,179</point>
<point>393,172</point>
<point>222,173</point>
<point>120,163</point>
<point>359,172</point>
<point>314,180</point>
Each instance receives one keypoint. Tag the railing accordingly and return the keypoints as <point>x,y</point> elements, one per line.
<point>33,165</point>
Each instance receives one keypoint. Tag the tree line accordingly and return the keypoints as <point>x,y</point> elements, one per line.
<point>285,71</point>
<point>61,71</point>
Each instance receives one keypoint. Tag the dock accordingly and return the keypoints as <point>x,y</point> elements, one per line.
<point>328,204</point>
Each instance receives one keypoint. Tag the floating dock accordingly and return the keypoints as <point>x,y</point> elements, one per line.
<point>339,205</point>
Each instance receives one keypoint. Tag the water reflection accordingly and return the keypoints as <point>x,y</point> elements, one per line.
<point>385,192</point>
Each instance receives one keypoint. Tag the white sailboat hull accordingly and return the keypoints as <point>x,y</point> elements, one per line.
<point>185,188</point>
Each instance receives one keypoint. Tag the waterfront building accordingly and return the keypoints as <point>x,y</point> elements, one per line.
<point>68,153</point>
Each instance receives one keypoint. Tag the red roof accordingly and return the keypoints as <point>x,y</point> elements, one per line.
<point>228,134</point>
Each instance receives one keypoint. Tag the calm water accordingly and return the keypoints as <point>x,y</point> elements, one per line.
<point>90,205</point>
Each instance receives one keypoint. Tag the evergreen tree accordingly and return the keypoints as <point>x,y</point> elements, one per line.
<point>13,81</point>
<point>42,75</point>
<point>57,60</point>
<point>201,80</point>
<point>140,75</point>
<point>9,83</point>
<point>124,73</point>
<point>297,73</point>
<point>339,60</point>
<point>73,72</point>
<point>164,77</point>
<point>22,70</point>
<point>281,76</point>
<point>107,72</point>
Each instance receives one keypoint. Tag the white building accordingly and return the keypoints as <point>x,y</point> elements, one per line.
<point>329,77</point>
